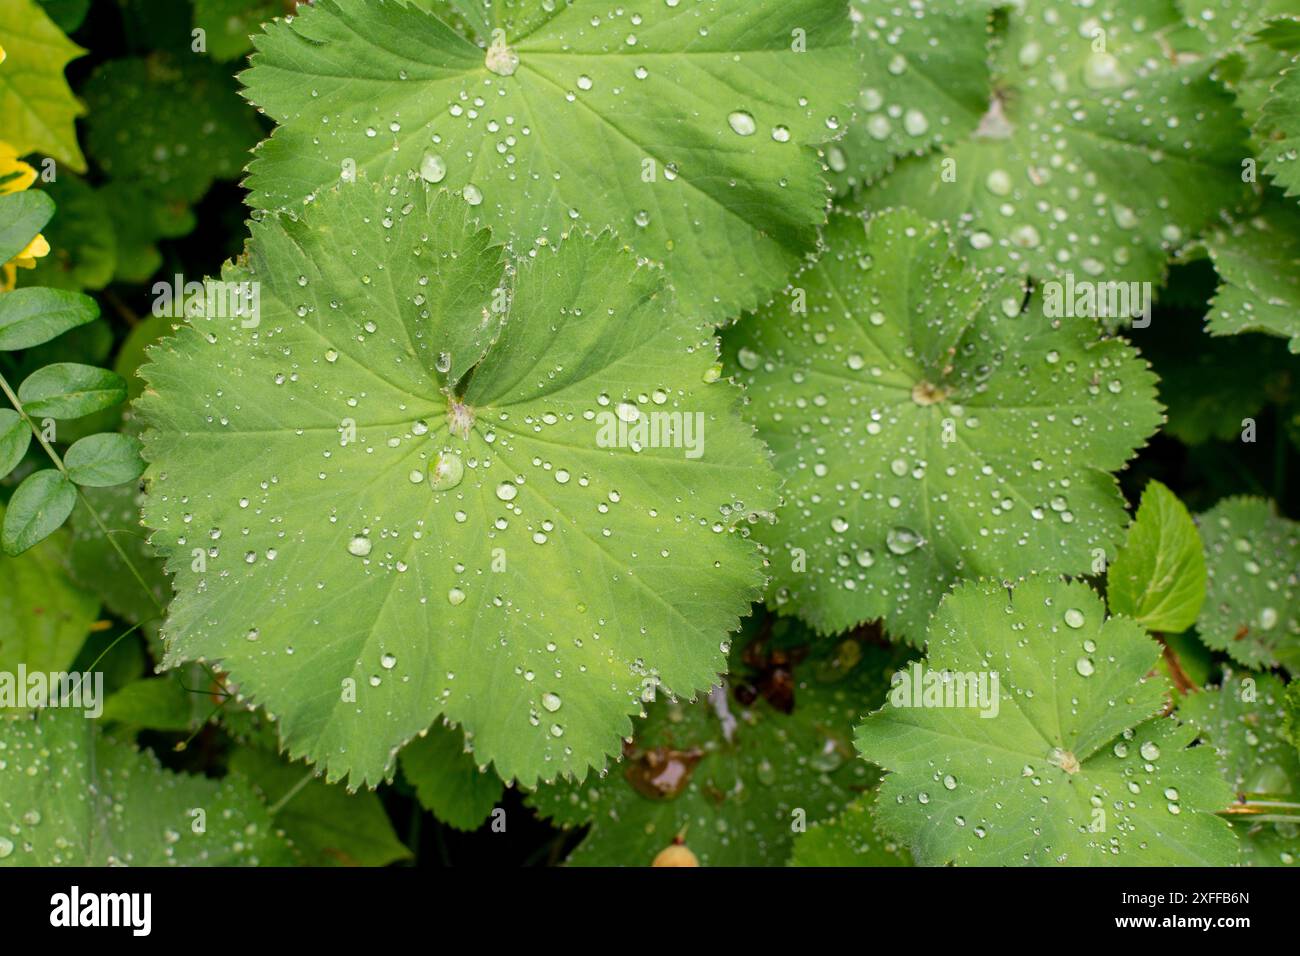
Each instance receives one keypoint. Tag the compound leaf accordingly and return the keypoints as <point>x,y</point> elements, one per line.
<point>928,431</point>
<point>1072,767</point>
<point>685,127</point>
<point>402,516</point>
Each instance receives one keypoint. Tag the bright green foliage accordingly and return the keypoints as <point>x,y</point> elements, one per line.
<point>1260,284</point>
<point>1252,609</point>
<point>447,782</point>
<point>1074,767</point>
<point>44,617</point>
<point>737,773</point>
<point>378,554</point>
<point>326,826</point>
<point>851,839</point>
<point>927,430</point>
<point>925,82</point>
<point>75,798</point>
<point>1244,719</point>
<point>1158,576</point>
<point>37,110</point>
<point>37,509</point>
<point>31,317</point>
<point>1067,171</point>
<point>677,125</point>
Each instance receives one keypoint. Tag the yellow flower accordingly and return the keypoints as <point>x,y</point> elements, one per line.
<point>15,176</point>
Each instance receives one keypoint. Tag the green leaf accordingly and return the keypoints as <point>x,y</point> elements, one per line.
<point>44,617</point>
<point>103,460</point>
<point>1074,767</point>
<point>1279,127</point>
<point>1245,721</point>
<point>447,781</point>
<point>738,771</point>
<point>851,839</point>
<point>229,24</point>
<point>70,390</point>
<point>299,453</point>
<point>75,798</point>
<point>38,508</point>
<point>15,436</point>
<point>37,110</point>
<point>679,126</point>
<point>1158,576</point>
<point>924,83</point>
<point>1068,171</point>
<point>186,108</point>
<point>83,252</point>
<point>22,216</point>
<point>1252,606</point>
<point>928,431</point>
<point>1225,22</point>
<point>326,825</point>
<point>32,316</point>
<point>1257,261</point>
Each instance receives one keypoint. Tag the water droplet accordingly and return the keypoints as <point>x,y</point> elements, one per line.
<point>1149,751</point>
<point>506,491</point>
<point>359,546</point>
<point>1084,666</point>
<point>446,471</point>
<point>742,123</point>
<point>433,168</point>
<point>472,194</point>
<point>455,597</point>
<point>1074,617</point>
<point>902,540</point>
<point>551,702</point>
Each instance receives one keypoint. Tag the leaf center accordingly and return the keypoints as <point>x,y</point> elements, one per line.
<point>460,417</point>
<point>501,59</point>
<point>924,393</point>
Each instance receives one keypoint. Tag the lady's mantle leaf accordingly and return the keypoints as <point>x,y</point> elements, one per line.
<point>1252,608</point>
<point>929,431</point>
<point>851,839</point>
<point>1095,156</point>
<point>925,82</point>
<point>1258,261</point>
<point>1280,127</point>
<point>1158,577</point>
<point>736,774</point>
<point>365,554</point>
<point>447,781</point>
<point>73,798</point>
<point>1245,722</point>
<point>1072,767</point>
<point>682,126</point>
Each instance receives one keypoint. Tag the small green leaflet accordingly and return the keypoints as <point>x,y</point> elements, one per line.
<point>1067,172</point>
<point>70,390</point>
<point>685,126</point>
<point>1279,127</point>
<point>326,826</point>
<point>158,101</point>
<point>44,617</point>
<point>31,317</point>
<point>925,82</point>
<point>737,773</point>
<point>15,437</point>
<point>71,797</point>
<point>103,460</point>
<point>1071,767</point>
<point>927,430</point>
<point>37,110</point>
<point>447,782</point>
<point>1252,607</point>
<point>37,509</point>
<point>851,839</point>
<point>375,554</point>
<point>1258,261</point>
<point>1245,721</point>
<point>1158,576</point>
